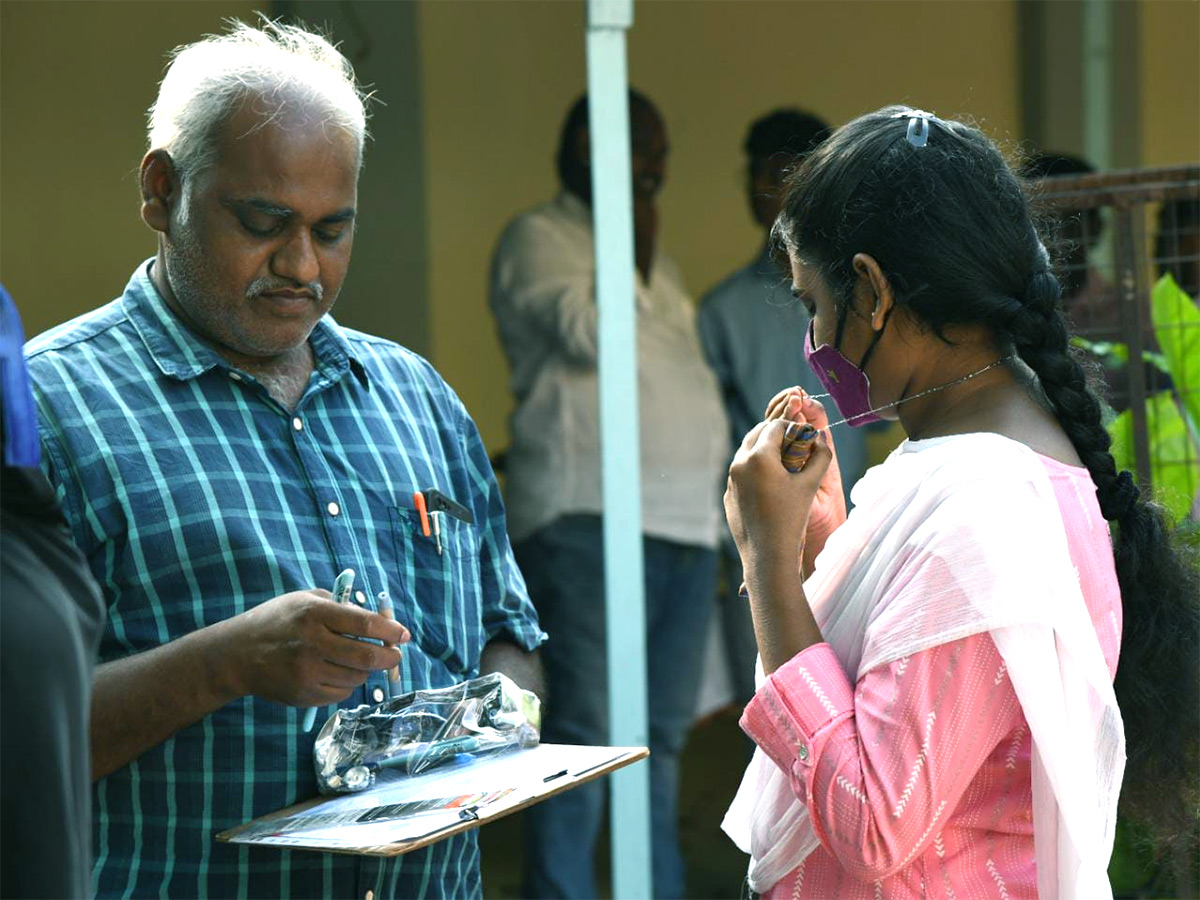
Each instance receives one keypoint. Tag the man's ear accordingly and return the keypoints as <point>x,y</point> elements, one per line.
<point>872,285</point>
<point>161,186</point>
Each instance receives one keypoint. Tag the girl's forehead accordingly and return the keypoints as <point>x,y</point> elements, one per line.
<point>804,274</point>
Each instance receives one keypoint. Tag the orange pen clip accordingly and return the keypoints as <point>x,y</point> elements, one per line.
<point>419,503</point>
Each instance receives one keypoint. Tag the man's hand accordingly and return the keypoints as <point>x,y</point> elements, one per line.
<point>291,649</point>
<point>301,648</point>
<point>645,233</point>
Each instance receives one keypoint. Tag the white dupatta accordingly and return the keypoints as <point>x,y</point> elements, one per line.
<point>983,507</point>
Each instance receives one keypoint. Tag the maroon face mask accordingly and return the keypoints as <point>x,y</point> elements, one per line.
<point>846,383</point>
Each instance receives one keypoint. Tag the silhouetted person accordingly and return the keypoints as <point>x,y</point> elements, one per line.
<point>51,617</point>
<point>543,297</point>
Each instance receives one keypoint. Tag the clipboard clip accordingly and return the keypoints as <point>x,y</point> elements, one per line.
<point>469,814</point>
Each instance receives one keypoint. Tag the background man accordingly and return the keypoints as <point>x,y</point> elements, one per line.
<point>753,335</point>
<point>543,297</point>
<point>218,440</point>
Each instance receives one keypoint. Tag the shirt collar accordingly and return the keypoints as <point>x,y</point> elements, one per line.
<point>574,207</point>
<point>179,353</point>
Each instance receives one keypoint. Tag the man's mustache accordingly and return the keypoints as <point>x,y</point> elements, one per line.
<point>267,285</point>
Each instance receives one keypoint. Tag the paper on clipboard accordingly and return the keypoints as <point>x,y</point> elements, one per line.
<point>402,813</point>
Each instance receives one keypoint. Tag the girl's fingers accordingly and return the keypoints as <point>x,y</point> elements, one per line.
<point>778,400</point>
<point>814,411</point>
<point>753,434</point>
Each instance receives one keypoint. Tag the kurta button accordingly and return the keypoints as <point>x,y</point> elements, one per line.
<point>377,695</point>
<point>333,508</point>
<point>802,752</point>
<point>361,598</point>
<point>298,424</point>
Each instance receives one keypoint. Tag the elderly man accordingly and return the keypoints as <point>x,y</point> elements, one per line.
<point>543,297</point>
<point>222,447</point>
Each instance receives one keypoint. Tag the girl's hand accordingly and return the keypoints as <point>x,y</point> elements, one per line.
<point>829,506</point>
<point>768,507</point>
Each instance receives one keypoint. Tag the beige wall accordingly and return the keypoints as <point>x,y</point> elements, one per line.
<point>494,80</point>
<point>1170,83</point>
<point>76,79</point>
<point>499,76</point>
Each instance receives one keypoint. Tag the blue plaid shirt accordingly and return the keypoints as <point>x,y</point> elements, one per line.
<point>195,496</point>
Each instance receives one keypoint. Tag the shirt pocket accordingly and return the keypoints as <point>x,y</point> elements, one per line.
<point>442,601</point>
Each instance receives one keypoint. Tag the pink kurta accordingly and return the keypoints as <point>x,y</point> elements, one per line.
<point>918,777</point>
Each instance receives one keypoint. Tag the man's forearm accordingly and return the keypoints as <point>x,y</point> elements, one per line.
<point>140,701</point>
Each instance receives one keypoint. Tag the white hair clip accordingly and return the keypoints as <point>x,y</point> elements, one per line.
<point>918,125</point>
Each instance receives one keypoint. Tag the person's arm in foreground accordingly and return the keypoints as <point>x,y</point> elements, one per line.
<point>882,764</point>
<point>828,510</point>
<point>293,649</point>
<point>768,509</point>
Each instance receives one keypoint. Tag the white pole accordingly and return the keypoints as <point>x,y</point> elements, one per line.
<point>612,211</point>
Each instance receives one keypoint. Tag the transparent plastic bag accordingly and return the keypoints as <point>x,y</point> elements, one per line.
<point>423,729</point>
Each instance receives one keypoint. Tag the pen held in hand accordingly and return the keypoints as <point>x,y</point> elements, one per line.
<point>342,586</point>
<point>385,610</point>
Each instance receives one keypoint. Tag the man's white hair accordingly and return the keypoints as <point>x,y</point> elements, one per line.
<point>283,67</point>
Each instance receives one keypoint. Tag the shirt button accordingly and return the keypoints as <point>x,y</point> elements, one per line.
<point>377,695</point>
<point>361,598</point>
<point>802,752</point>
<point>297,424</point>
<point>334,509</point>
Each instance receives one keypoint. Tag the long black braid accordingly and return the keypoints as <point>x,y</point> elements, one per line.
<point>1158,684</point>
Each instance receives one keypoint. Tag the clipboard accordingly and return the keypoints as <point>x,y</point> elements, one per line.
<point>403,813</point>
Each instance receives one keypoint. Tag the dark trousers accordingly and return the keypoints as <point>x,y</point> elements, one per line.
<point>564,568</point>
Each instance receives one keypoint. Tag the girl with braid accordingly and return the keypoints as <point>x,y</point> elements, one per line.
<point>935,714</point>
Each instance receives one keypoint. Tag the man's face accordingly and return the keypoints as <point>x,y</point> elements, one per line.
<point>259,245</point>
<point>765,185</point>
<point>648,148</point>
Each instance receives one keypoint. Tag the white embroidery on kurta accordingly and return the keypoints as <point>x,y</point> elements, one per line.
<point>991,867</point>
<point>851,789</point>
<point>1014,747</point>
<point>817,692</point>
<point>917,766</point>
